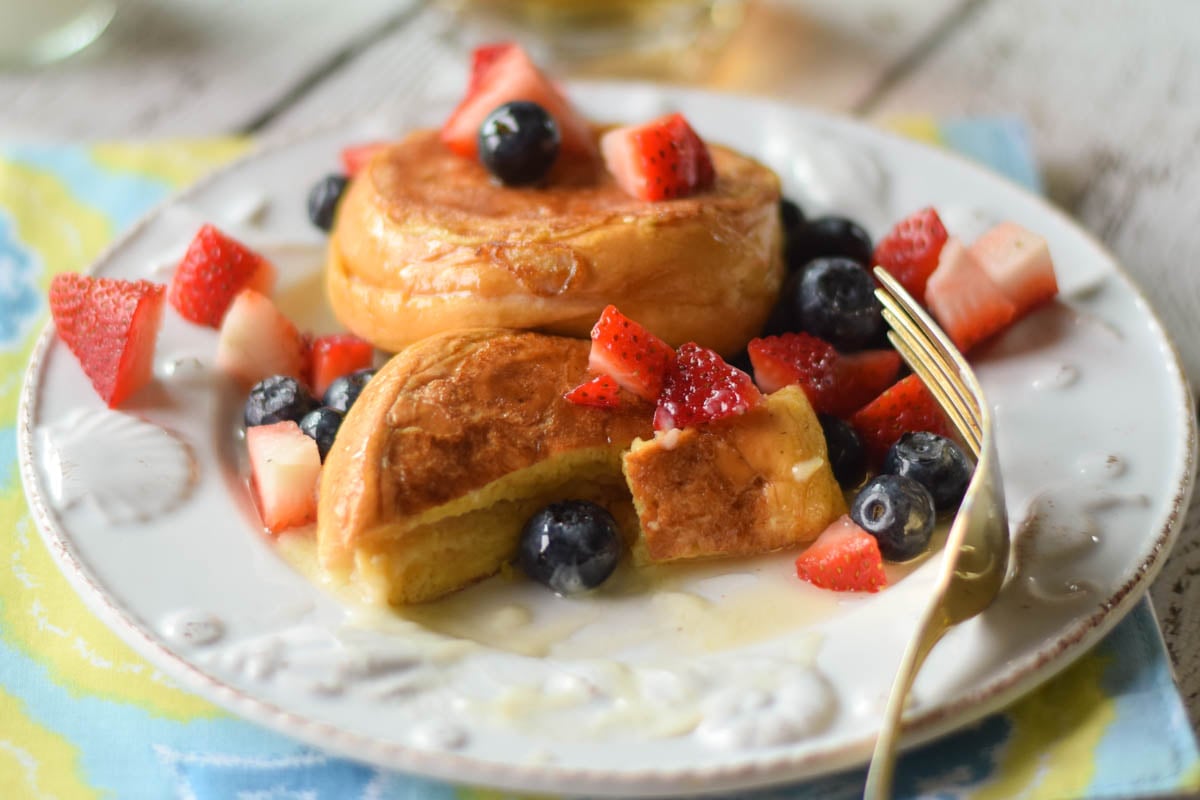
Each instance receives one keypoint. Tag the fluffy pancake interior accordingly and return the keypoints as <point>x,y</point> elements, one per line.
<point>751,484</point>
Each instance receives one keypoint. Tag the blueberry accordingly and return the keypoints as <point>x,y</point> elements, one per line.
<point>836,302</point>
<point>898,512</point>
<point>570,546</point>
<point>791,216</point>
<point>276,399</point>
<point>321,425</point>
<point>323,200</point>
<point>342,393</point>
<point>518,143</point>
<point>847,456</point>
<point>933,461</point>
<point>829,236</point>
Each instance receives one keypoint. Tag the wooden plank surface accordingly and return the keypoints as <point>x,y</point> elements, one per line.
<point>191,69</point>
<point>1111,91</point>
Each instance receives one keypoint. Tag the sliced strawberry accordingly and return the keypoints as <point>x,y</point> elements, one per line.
<point>910,250</point>
<point>700,387</point>
<point>482,59</point>
<point>1019,262</point>
<point>336,355</point>
<point>905,407</point>
<point>860,378</point>
<point>214,269</point>
<point>111,327</point>
<point>635,358</point>
<point>284,467</point>
<point>600,392</point>
<point>834,383</point>
<point>357,156</point>
<point>257,341</point>
<point>968,304</point>
<point>795,358</point>
<point>844,558</point>
<point>660,160</point>
<point>512,76</point>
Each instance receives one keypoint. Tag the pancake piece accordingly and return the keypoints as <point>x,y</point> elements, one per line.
<point>451,447</point>
<point>749,484</point>
<point>426,242</point>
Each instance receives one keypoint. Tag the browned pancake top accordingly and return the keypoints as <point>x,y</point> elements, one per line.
<point>420,177</point>
<point>455,412</point>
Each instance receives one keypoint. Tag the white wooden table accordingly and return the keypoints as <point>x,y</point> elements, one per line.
<point>1109,88</point>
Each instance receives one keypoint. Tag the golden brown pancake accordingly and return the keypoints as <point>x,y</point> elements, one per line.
<point>451,447</point>
<point>426,242</point>
<point>750,484</point>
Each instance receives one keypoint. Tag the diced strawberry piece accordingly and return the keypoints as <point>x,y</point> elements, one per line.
<point>660,160</point>
<point>905,407</point>
<point>798,358</point>
<point>834,383</point>
<point>635,358</point>
<point>860,378</point>
<point>257,341</point>
<point>600,392</point>
<point>968,304</point>
<point>214,269</point>
<point>910,250</point>
<point>1019,262</point>
<point>512,76</point>
<point>285,466</point>
<point>111,327</point>
<point>700,388</point>
<point>336,355</point>
<point>357,156</point>
<point>844,558</point>
<point>482,59</point>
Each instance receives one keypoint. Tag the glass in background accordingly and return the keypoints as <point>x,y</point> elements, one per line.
<point>36,32</point>
<point>651,39</point>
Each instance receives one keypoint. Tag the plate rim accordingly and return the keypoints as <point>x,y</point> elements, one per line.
<point>1026,676</point>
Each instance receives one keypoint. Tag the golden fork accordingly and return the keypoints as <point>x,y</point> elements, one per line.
<point>975,558</point>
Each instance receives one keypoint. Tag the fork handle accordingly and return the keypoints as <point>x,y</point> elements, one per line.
<point>883,761</point>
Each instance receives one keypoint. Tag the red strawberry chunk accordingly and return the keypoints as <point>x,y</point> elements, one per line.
<point>512,76</point>
<point>700,388</point>
<point>661,160</point>
<point>834,383</point>
<point>600,392</point>
<point>1019,262</point>
<point>844,558</point>
<point>910,250</point>
<point>482,59</point>
<point>285,467</point>
<point>336,355</point>
<point>795,358</point>
<point>905,407</point>
<point>635,358</point>
<point>968,304</point>
<point>357,156</point>
<point>212,272</point>
<point>111,327</point>
<point>861,377</point>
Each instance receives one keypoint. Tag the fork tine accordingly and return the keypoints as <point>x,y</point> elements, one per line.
<point>936,385</point>
<point>900,318</point>
<point>934,333</point>
<point>957,393</point>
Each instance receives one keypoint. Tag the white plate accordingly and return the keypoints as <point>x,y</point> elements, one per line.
<point>732,676</point>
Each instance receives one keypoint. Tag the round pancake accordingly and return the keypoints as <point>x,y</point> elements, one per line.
<point>450,448</point>
<point>426,241</point>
